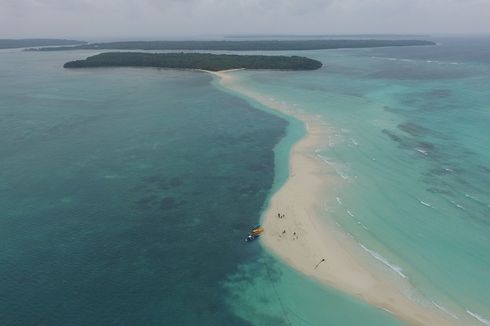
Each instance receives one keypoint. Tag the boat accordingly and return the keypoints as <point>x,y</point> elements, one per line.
<point>254,233</point>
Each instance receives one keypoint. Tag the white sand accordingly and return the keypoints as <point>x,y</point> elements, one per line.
<point>345,267</point>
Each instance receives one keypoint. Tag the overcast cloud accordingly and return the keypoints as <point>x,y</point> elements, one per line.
<point>99,19</point>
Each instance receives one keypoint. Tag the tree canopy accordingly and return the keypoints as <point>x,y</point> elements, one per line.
<point>205,61</point>
<point>257,45</point>
<point>24,43</point>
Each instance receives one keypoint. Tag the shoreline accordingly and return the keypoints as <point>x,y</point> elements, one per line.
<point>316,248</point>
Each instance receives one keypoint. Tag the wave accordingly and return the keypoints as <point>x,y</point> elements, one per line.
<point>363,226</point>
<point>352,215</point>
<point>388,310</point>
<point>477,316</point>
<point>415,60</point>
<point>343,176</point>
<point>476,199</point>
<point>339,201</point>
<point>324,159</point>
<point>444,310</point>
<point>425,204</point>
<point>421,151</point>
<point>382,259</point>
<point>457,205</point>
<point>471,197</point>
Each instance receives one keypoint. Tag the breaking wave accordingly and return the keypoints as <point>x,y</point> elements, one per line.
<point>441,308</point>
<point>382,259</point>
<point>477,316</point>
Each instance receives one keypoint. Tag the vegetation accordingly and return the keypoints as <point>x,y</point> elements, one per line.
<point>24,43</point>
<point>258,45</point>
<point>205,61</point>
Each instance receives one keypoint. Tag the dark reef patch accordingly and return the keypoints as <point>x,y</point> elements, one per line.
<point>392,135</point>
<point>436,190</point>
<point>413,129</point>
<point>426,146</point>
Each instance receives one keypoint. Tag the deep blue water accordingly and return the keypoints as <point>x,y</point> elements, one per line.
<point>124,194</point>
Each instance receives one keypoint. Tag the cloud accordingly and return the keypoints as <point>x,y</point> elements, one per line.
<point>162,18</point>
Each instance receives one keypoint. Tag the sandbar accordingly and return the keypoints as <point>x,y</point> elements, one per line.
<point>319,249</point>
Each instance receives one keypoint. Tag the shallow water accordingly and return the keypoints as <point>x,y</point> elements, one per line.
<point>409,137</point>
<point>125,195</point>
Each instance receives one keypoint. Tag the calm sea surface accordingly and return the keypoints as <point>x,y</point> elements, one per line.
<point>125,195</point>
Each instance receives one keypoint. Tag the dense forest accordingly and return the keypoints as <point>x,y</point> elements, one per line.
<point>205,61</point>
<point>261,45</point>
<point>24,43</point>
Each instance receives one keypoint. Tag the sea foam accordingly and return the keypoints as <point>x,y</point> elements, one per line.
<point>336,167</point>
<point>421,151</point>
<point>425,204</point>
<point>444,310</point>
<point>477,316</point>
<point>385,261</point>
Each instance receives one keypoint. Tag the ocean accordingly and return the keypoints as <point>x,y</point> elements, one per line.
<point>125,197</point>
<point>125,194</point>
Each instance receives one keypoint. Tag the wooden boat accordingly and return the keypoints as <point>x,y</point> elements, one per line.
<point>255,232</point>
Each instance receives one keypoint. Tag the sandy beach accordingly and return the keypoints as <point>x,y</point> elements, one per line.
<point>319,249</point>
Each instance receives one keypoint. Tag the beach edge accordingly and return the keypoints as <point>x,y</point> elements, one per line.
<point>296,235</point>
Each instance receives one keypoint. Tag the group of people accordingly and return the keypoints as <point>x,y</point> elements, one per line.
<point>295,236</point>
<point>281,216</point>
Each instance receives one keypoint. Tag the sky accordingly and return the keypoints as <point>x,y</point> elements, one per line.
<point>166,19</point>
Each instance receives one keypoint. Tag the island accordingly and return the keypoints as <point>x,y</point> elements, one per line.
<point>24,43</point>
<point>203,61</point>
<point>227,45</point>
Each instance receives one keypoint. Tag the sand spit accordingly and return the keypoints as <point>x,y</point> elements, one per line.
<point>313,246</point>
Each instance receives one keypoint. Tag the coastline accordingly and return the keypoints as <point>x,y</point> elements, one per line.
<point>308,239</point>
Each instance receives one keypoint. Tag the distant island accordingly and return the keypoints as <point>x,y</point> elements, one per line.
<point>25,43</point>
<point>204,61</point>
<point>323,36</point>
<point>257,45</point>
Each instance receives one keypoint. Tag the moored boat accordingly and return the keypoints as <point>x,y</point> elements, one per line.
<point>255,232</point>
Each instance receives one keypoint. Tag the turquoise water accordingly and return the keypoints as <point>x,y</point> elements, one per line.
<point>125,195</point>
<point>409,138</point>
